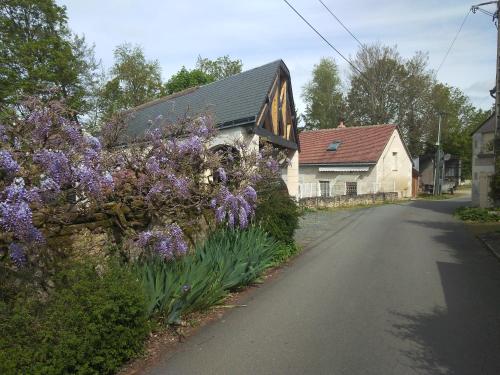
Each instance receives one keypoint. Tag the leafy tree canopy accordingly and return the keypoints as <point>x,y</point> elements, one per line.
<point>459,119</point>
<point>323,97</point>
<point>220,68</point>
<point>185,79</point>
<point>39,56</point>
<point>134,80</point>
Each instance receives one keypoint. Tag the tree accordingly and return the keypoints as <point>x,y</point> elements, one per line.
<point>414,104</point>
<point>391,89</point>
<point>220,68</point>
<point>134,81</point>
<point>185,79</point>
<point>38,55</point>
<point>459,119</point>
<point>374,92</point>
<point>323,97</point>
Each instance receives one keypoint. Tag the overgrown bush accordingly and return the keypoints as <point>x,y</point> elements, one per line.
<point>227,260</point>
<point>91,324</point>
<point>477,214</point>
<point>277,213</point>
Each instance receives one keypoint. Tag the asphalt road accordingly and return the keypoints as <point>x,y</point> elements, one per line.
<point>395,289</point>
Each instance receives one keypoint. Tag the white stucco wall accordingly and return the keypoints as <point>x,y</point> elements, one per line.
<point>386,176</point>
<point>232,136</point>
<point>292,175</point>
<point>310,176</point>
<point>394,172</point>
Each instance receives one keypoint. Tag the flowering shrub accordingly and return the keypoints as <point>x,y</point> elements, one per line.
<point>168,243</point>
<point>172,179</point>
<point>47,165</point>
<point>234,209</point>
<point>182,184</point>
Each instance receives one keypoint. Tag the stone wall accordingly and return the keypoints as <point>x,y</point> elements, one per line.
<point>347,200</point>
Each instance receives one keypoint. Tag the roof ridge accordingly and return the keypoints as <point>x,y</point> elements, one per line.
<point>243,72</point>
<point>348,127</point>
<point>189,90</point>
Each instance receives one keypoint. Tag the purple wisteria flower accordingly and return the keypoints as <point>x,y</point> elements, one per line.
<point>16,215</point>
<point>41,122</point>
<point>180,185</point>
<point>222,175</point>
<point>93,143</point>
<point>273,165</point>
<point>17,254</point>
<point>250,193</point>
<point>153,166</point>
<point>55,164</point>
<point>7,163</point>
<point>49,189</point>
<point>72,132</point>
<point>234,209</point>
<point>3,134</point>
<point>192,145</point>
<point>168,242</point>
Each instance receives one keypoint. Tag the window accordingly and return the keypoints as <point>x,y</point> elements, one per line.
<point>333,146</point>
<point>324,187</point>
<point>351,188</point>
<point>487,145</point>
<point>394,161</point>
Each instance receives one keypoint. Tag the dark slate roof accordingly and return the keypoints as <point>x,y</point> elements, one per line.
<point>231,101</point>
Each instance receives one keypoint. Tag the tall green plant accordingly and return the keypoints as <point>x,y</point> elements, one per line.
<point>228,260</point>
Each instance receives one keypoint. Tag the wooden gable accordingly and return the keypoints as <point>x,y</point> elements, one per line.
<point>277,120</point>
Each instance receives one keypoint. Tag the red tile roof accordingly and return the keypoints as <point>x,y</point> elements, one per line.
<point>358,144</point>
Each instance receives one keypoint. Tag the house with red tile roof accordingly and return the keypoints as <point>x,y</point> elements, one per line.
<point>354,160</point>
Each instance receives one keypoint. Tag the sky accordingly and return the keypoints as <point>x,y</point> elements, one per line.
<point>261,31</point>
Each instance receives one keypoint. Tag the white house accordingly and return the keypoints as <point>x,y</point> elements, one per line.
<point>483,162</point>
<point>354,160</point>
<point>253,107</point>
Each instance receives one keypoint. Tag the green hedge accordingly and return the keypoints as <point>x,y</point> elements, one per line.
<point>228,260</point>
<point>91,324</point>
<point>278,214</point>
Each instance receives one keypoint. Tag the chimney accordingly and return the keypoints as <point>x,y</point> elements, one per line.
<point>341,125</point>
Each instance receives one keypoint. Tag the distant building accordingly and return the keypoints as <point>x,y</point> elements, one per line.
<point>354,160</point>
<point>452,173</point>
<point>483,161</point>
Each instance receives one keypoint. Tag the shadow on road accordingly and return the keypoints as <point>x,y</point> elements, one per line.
<point>464,337</point>
<point>444,207</point>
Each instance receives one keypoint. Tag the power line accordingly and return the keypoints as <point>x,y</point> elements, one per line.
<point>453,41</point>
<point>370,86</point>
<point>341,23</point>
<point>485,12</point>
<point>324,39</point>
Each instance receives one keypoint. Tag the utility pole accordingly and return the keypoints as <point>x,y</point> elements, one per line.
<point>495,186</point>
<point>438,160</point>
<point>496,147</point>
